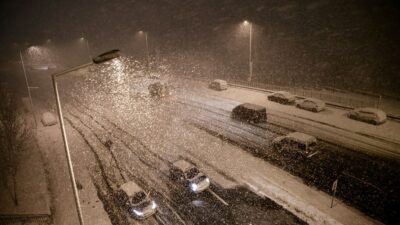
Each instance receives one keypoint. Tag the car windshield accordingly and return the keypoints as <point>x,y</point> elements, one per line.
<point>200,100</point>
<point>138,197</point>
<point>192,172</point>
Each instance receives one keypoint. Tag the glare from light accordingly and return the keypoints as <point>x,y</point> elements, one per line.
<point>141,32</point>
<point>246,22</point>
<point>193,186</point>
<point>153,205</point>
<point>137,212</point>
<point>82,38</point>
<point>118,70</point>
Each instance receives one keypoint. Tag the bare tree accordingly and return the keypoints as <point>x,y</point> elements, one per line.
<point>14,137</point>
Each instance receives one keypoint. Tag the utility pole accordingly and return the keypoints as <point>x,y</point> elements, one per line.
<point>250,52</point>
<point>29,88</point>
<point>88,49</point>
<point>147,53</point>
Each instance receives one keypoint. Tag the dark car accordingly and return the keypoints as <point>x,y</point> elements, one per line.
<point>250,113</point>
<point>282,97</point>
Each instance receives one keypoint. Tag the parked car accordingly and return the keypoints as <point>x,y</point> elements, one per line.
<point>218,85</point>
<point>311,104</point>
<point>282,97</point>
<point>158,89</point>
<point>138,203</point>
<point>250,113</point>
<point>188,175</point>
<point>369,115</point>
<point>296,142</point>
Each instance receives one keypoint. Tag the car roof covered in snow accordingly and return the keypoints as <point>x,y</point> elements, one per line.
<point>315,100</point>
<point>219,81</point>
<point>252,106</point>
<point>302,137</point>
<point>183,165</point>
<point>284,93</point>
<point>131,188</point>
<point>378,112</point>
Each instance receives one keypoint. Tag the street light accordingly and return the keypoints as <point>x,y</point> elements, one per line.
<point>99,59</point>
<point>250,49</point>
<point>28,87</point>
<point>147,50</point>
<point>87,46</point>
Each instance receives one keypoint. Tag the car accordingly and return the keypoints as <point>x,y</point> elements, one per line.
<point>311,104</point>
<point>250,113</point>
<point>369,115</point>
<point>158,89</point>
<point>218,85</point>
<point>138,203</point>
<point>282,97</point>
<point>188,175</point>
<point>296,142</point>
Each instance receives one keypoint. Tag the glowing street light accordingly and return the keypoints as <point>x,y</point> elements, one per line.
<point>97,60</point>
<point>247,23</point>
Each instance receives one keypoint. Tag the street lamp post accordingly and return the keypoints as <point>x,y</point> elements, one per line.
<point>100,59</point>
<point>147,50</point>
<point>250,50</point>
<point>29,88</point>
<point>87,47</point>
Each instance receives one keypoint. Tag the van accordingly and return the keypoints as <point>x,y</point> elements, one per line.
<point>250,113</point>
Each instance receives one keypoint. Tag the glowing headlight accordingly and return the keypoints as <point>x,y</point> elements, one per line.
<point>138,213</point>
<point>207,180</point>
<point>193,186</point>
<point>153,205</point>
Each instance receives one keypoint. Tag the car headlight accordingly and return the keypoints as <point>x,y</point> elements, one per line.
<point>193,186</point>
<point>153,205</point>
<point>207,180</point>
<point>137,212</point>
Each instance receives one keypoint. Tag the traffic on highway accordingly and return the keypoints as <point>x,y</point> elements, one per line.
<point>228,112</point>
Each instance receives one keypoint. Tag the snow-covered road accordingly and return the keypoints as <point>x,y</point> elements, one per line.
<point>331,124</point>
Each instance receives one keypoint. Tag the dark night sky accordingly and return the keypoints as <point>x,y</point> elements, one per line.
<point>338,38</point>
<point>109,21</point>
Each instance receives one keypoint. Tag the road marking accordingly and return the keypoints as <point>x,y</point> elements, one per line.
<point>172,209</point>
<point>160,219</point>
<point>219,198</point>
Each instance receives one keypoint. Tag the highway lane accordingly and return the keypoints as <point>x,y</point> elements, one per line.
<point>151,120</point>
<point>129,159</point>
<point>366,182</point>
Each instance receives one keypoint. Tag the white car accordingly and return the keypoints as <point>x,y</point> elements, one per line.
<point>218,85</point>
<point>311,104</point>
<point>296,142</point>
<point>369,115</point>
<point>136,201</point>
<point>282,97</point>
<point>187,174</point>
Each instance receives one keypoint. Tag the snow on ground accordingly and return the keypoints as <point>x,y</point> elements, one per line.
<point>331,124</point>
<point>172,137</point>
